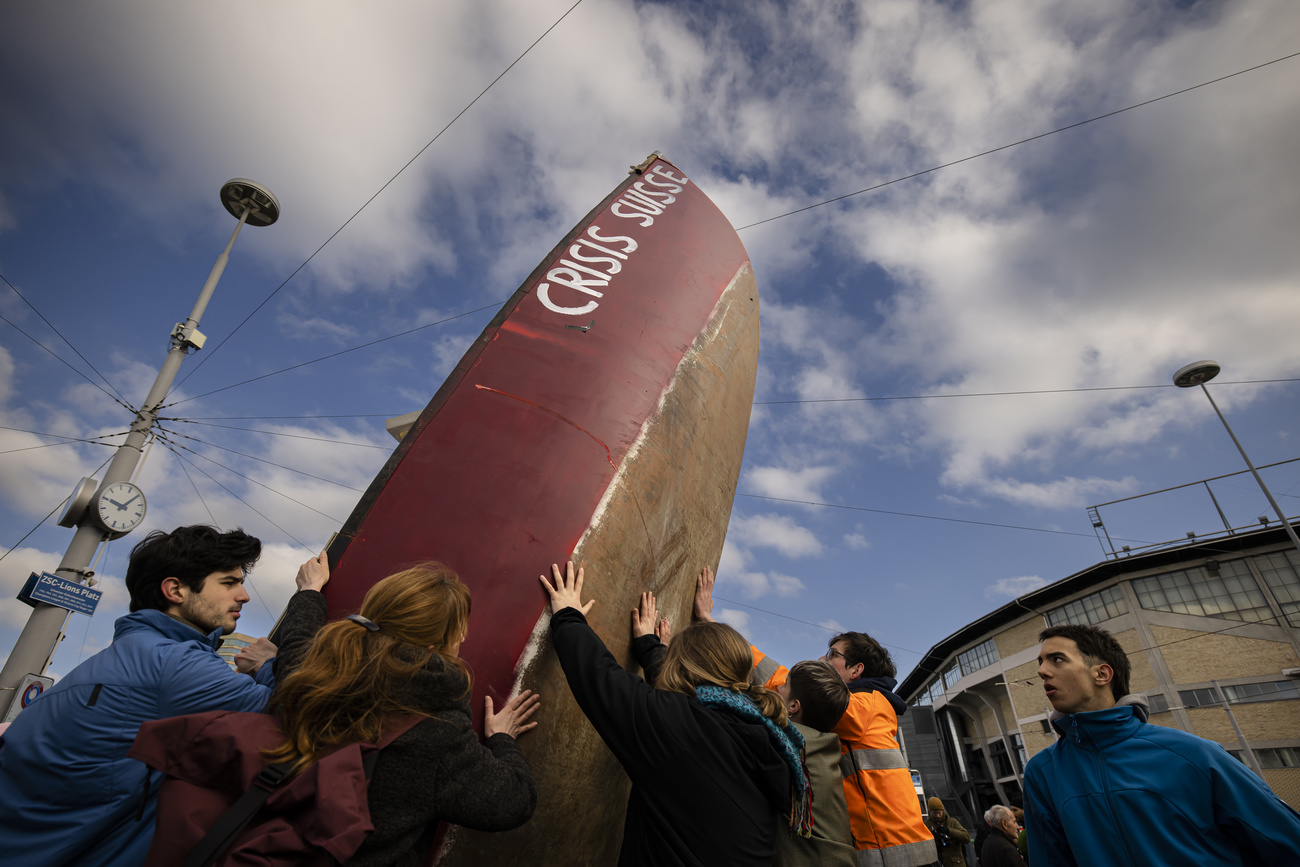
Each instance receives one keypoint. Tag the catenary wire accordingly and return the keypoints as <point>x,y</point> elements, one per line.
<point>805,622</point>
<point>245,477</point>
<point>332,355</point>
<point>260,460</point>
<point>11,548</point>
<point>71,345</point>
<point>276,433</point>
<point>927,517</point>
<point>65,363</point>
<point>381,189</point>
<point>1017,143</point>
<point>237,497</point>
<point>1009,393</point>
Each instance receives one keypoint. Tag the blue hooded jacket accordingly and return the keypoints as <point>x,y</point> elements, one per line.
<point>1117,791</point>
<point>68,793</point>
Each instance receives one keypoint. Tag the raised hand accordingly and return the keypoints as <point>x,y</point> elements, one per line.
<point>704,596</point>
<point>645,618</point>
<point>566,592</point>
<point>314,574</point>
<point>664,631</point>
<point>513,717</point>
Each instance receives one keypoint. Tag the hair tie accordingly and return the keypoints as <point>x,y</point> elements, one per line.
<point>742,686</point>
<point>364,621</point>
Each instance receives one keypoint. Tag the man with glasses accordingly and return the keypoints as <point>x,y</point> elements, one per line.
<point>884,814</point>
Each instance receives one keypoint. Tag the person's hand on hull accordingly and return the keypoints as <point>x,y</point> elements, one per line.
<point>513,718</point>
<point>314,574</point>
<point>664,631</point>
<point>252,657</point>
<point>645,617</point>
<point>704,596</point>
<point>566,592</point>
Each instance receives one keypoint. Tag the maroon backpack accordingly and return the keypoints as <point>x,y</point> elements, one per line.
<point>221,803</point>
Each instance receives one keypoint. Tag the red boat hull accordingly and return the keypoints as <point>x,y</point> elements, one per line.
<point>601,416</point>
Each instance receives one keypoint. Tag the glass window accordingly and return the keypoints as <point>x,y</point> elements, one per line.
<point>1019,743</point>
<point>936,690</point>
<point>1281,573</point>
<point>1232,594</point>
<point>1198,697</point>
<point>952,675</point>
<point>1157,703</point>
<point>1090,610</point>
<point>1274,757</point>
<point>1246,693</point>
<point>979,656</point>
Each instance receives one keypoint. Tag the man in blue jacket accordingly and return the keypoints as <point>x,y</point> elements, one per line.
<point>68,793</point>
<point>1115,790</point>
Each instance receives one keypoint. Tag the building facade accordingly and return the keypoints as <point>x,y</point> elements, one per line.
<point>232,644</point>
<point>1213,634</point>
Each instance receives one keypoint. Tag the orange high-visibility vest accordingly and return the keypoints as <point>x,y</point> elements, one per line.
<point>884,814</point>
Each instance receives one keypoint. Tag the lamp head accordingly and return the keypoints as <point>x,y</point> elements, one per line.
<point>238,193</point>
<point>1196,373</point>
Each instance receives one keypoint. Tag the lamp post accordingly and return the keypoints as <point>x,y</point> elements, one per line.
<point>1201,372</point>
<point>112,508</point>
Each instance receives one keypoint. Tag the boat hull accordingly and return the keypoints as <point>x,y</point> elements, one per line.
<point>602,417</point>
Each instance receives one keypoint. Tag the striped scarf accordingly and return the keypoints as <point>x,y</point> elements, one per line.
<point>787,740</point>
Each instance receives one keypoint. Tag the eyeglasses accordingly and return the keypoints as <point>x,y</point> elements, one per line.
<point>832,653</point>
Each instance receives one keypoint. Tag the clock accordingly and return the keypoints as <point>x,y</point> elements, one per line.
<point>120,507</point>
<point>79,502</point>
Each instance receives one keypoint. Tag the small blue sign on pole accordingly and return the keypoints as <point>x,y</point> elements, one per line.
<point>55,590</point>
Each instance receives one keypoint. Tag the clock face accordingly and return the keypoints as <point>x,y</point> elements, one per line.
<point>121,507</point>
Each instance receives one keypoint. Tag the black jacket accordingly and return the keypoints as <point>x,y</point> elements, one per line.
<point>439,771</point>
<point>707,787</point>
<point>1000,851</point>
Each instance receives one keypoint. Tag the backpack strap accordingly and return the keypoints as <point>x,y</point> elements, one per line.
<point>224,831</point>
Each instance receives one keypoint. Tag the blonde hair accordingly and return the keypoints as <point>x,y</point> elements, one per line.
<point>714,654</point>
<point>351,679</point>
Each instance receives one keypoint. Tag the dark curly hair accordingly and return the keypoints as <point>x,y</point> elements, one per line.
<point>188,554</point>
<point>1097,646</point>
<point>862,648</point>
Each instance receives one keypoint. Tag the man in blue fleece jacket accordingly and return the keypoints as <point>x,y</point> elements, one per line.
<point>1115,790</point>
<point>68,793</point>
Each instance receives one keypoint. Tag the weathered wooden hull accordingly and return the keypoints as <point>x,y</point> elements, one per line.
<point>601,415</point>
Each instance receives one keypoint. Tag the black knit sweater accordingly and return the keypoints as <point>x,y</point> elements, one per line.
<point>439,771</point>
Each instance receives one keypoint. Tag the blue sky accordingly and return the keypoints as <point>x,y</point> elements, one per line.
<point>1108,255</point>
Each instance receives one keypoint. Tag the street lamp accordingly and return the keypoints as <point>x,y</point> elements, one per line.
<point>114,507</point>
<point>1201,372</point>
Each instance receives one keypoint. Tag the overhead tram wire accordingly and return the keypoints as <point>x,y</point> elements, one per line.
<point>297,541</point>
<point>349,220</point>
<point>61,504</point>
<point>805,622</point>
<point>332,355</point>
<point>262,460</point>
<point>1003,393</point>
<point>65,363</point>
<point>245,477</point>
<point>282,434</point>
<point>1017,143</point>
<point>927,517</point>
<point>120,399</point>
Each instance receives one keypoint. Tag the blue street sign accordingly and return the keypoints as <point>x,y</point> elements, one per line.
<point>46,587</point>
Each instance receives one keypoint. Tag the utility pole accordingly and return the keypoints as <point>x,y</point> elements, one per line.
<point>112,508</point>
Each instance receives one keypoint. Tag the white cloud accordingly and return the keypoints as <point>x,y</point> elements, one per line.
<point>779,532</point>
<point>857,541</point>
<point>802,484</point>
<point>735,618</point>
<point>1014,586</point>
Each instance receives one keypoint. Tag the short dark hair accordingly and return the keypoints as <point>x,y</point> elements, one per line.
<point>822,693</point>
<point>866,650</point>
<point>1097,646</point>
<point>188,554</point>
